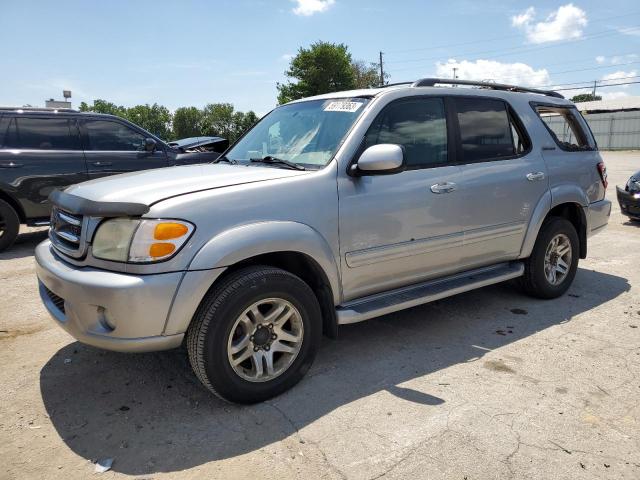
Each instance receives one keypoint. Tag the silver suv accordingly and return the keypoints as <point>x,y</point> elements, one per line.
<point>331,210</point>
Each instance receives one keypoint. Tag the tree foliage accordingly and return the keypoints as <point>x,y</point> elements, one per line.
<point>585,97</point>
<point>215,119</point>
<point>367,75</point>
<point>322,68</point>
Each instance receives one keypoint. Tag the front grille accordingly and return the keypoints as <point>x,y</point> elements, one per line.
<point>57,301</point>
<point>66,232</point>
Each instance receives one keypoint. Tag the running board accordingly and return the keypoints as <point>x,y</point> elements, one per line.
<point>407,297</point>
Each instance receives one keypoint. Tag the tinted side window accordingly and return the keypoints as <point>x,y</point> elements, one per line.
<point>567,127</point>
<point>41,134</point>
<point>485,129</point>
<point>112,136</point>
<point>419,125</point>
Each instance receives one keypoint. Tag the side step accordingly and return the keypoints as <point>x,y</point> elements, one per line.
<point>411,296</point>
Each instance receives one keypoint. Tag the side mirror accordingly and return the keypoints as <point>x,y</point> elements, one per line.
<point>382,159</point>
<point>149,144</point>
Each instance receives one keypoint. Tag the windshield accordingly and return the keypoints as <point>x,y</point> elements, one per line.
<point>306,133</point>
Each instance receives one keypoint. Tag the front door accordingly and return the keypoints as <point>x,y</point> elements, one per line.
<point>111,147</point>
<point>406,227</point>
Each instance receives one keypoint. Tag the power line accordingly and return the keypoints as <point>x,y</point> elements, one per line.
<point>498,38</point>
<point>514,50</point>
<point>599,86</point>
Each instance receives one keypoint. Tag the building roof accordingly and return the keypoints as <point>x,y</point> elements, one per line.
<point>622,103</point>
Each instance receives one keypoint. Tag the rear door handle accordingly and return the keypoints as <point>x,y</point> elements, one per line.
<point>102,164</point>
<point>534,176</point>
<point>445,187</point>
<point>11,165</point>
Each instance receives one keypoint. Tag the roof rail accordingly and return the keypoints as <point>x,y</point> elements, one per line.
<point>430,82</point>
<point>38,109</point>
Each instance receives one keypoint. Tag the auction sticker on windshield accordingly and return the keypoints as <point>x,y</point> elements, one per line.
<point>342,106</point>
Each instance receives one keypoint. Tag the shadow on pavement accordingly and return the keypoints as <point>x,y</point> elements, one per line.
<point>150,413</point>
<point>24,245</point>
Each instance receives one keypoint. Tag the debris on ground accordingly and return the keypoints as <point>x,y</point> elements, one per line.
<point>518,311</point>
<point>103,465</point>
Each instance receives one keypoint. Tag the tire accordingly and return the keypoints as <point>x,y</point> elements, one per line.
<point>9,225</point>
<point>535,281</point>
<point>249,296</point>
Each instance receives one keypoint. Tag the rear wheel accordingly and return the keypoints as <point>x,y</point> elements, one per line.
<point>552,266</point>
<point>9,225</point>
<point>255,335</point>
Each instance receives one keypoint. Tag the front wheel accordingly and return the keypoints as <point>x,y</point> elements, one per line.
<point>255,335</point>
<point>553,263</point>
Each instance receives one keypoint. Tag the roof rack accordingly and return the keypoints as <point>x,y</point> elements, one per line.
<point>430,82</point>
<point>38,109</point>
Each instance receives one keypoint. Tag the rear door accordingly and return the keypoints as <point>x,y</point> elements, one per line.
<point>39,153</point>
<point>112,146</point>
<point>504,178</point>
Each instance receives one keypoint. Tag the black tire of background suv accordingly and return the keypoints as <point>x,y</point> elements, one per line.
<point>534,282</point>
<point>211,326</point>
<point>9,232</point>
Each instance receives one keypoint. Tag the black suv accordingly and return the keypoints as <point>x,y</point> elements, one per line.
<point>46,149</point>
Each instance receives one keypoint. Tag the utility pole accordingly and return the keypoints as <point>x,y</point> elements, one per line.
<point>594,89</point>
<point>381,72</point>
<point>455,69</point>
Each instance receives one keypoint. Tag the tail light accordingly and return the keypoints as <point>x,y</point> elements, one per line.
<point>602,170</point>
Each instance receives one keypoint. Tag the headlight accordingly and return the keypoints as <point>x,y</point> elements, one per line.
<point>633,185</point>
<point>140,240</point>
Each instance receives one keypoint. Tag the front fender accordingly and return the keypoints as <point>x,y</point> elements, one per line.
<point>241,243</point>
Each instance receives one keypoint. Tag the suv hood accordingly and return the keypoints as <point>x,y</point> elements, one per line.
<point>150,186</point>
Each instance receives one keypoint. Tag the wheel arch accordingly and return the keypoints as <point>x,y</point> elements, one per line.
<point>569,204</point>
<point>292,246</point>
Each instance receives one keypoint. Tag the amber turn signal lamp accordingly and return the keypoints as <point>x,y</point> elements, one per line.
<point>168,231</point>
<point>161,249</point>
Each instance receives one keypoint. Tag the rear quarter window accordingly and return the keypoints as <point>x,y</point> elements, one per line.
<point>567,127</point>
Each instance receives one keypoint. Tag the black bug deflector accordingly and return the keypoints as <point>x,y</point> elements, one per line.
<point>83,206</point>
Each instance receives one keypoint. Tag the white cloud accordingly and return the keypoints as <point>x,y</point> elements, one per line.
<point>633,31</point>
<point>617,59</point>
<point>307,8</point>
<point>516,73</point>
<point>286,57</point>
<point>524,18</point>
<point>565,23</point>
<point>619,76</point>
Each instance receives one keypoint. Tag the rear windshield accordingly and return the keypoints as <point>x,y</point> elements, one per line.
<point>567,127</point>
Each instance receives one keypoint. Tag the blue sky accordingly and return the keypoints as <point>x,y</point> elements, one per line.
<point>195,52</point>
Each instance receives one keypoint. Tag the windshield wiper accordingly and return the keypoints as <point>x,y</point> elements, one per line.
<point>279,161</point>
<point>224,158</point>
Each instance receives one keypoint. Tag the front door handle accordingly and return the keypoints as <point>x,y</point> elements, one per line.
<point>445,187</point>
<point>11,165</point>
<point>534,176</point>
<point>102,164</point>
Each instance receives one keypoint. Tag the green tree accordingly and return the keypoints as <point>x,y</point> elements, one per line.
<point>585,97</point>
<point>367,75</point>
<point>153,118</point>
<point>187,122</point>
<point>322,68</point>
<point>217,120</point>
<point>102,106</point>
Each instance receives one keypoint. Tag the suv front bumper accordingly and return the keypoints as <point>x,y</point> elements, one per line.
<point>114,311</point>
